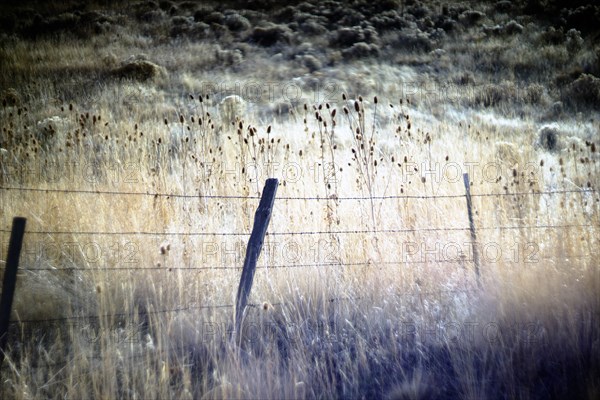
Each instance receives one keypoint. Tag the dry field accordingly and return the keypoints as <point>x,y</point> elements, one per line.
<point>136,137</point>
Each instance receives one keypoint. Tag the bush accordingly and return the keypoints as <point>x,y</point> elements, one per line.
<point>574,41</point>
<point>496,94</point>
<point>286,15</point>
<point>548,139</point>
<point>209,17</point>
<point>512,28</point>
<point>413,40</point>
<point>347,37</point>
<point>236,22</point>
<point>351,18</point>
<point>312,27</point>
<point>471,17</point>
<point>361,50</point>
<point>583,92</point>
<point>268,36</point>
<point>535,94</point>
<point>388,20</point>
<point>140,70</point>
<point>228,57</point>
<point>312,63</point>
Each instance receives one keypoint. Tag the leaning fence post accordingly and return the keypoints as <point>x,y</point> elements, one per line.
<point>10,280</point>
<point>261,222</point>
<point>472,226</point>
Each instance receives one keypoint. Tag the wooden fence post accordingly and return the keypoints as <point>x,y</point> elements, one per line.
<point>472,226</point>
<point>10,280</point>
<point>261,222</point>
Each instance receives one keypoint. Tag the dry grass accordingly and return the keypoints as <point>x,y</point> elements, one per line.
<point>373,300</point>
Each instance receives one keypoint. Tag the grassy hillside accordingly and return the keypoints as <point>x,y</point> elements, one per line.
<point>136,138</point>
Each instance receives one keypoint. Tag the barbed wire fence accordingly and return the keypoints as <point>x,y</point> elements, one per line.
<point>341,264</point>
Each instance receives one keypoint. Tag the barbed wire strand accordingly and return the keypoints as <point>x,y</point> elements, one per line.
<point>311,198</point>
<point>304,233</point>
<point>292,265</point>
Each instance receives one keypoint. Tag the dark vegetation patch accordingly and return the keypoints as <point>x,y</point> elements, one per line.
<point>548,138</point>
<point>583,92</point>
<point>270,35</point>
<point>482,36</point>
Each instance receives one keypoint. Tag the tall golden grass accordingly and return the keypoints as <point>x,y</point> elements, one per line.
<point>389,309</point>
<point>140,189</point>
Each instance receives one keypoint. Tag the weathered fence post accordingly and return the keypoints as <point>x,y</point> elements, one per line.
<point>261,222</point>
<point>472,226</point>
<point>10,280</point>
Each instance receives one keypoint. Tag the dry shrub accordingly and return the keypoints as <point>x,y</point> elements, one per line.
<point>351,17</point>
<point>418,10</point>
<point>187,27</point>
<point>552,36</point>
<point>140,70</point>
<point>388,20</point>
<point>501,30</point>
<point>361,50</point>
<point>152,16</point>
<point>574,41</point>
<point>471,17</point>
<point>312,63</point>
<point>143,7</point>
<point>496,94</point>
<point>270,35</point>
<point>181,25</point>
<point>583,92</point>
<point>209,17</point>
<point>346,37</point>
<point>312,27</point>
<point>228,57</point>
<point>448,24</point>
<point>286,15</point>
<point>413,40</point>
<point>535,94</point>
<point>236,22</point>
<point>512,28</point>
<point>549,138</point>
